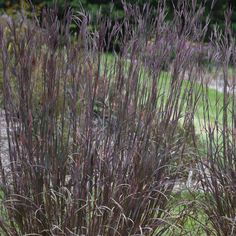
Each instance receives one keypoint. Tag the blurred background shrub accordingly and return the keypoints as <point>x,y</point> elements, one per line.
<point>216,9</point>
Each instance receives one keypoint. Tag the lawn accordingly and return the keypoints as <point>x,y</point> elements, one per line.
<point>210,101</point>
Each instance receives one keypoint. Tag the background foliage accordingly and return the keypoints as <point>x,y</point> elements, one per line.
<point>215,8</point>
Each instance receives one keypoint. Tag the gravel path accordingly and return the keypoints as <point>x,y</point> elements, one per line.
<point>4,154</point>
<point>3,139</point>
<point>214,80</point>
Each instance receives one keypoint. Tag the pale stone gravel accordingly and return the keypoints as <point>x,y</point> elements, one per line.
<point>4,153</point>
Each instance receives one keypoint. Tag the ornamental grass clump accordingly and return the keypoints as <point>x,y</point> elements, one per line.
<point>218,167</point>
<point>99,142</point>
